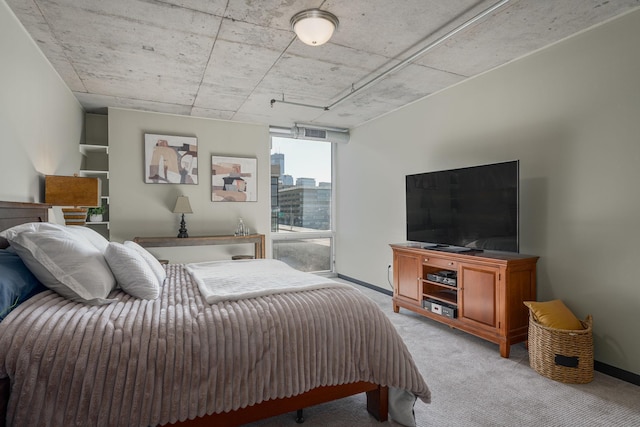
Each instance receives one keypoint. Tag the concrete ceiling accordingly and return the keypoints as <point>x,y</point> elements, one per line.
<point>227,59</point>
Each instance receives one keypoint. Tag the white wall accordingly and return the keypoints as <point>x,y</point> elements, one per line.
<point>139,209</point>
<point>40,119</point>
<point>571,114</point>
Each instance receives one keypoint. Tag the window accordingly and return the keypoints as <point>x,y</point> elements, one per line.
<point>302,203</point>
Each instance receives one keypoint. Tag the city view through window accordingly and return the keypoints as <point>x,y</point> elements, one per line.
<point>301,203</point>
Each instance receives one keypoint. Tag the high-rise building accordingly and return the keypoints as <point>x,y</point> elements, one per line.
<point>278,159</point>
<point>304,205</point>
<point>306,182</point>
<point>287,180</point>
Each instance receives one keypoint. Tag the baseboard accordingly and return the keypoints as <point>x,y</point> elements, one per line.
<point>621,374</point>
<point>366,285</point>
<point>612,371</point>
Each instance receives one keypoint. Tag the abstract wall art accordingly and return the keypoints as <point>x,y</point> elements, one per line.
<point>170,159</point>
<point>233,179</point>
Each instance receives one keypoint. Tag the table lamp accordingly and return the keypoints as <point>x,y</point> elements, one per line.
<point>182,207</point>
<point>76,191</point>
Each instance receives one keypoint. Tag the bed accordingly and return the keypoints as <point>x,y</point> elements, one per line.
<point>178,359</point>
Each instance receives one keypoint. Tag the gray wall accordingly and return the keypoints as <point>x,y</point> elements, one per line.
<point>571,114</point>
<point>139,209</point>
<point>40,119</point>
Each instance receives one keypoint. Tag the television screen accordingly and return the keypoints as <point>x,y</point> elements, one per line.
<point>467,208</point>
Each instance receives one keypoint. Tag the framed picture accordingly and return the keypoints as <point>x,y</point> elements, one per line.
<point>233,179</point>
<point>170,159</point>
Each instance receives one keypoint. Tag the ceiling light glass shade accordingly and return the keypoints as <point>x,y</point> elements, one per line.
<point>314,26</point>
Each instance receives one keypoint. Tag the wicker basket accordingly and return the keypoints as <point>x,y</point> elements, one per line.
<point>560,354</point>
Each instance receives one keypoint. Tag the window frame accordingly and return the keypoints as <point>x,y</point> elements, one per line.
<point>276,236</point>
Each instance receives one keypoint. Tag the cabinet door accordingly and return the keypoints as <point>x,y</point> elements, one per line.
<point>407,275</point>
<point>479,304</point>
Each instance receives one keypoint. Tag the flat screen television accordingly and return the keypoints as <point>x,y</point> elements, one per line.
<point>473,208</point>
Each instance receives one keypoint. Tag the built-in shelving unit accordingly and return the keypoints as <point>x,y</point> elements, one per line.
<point>95,163</point>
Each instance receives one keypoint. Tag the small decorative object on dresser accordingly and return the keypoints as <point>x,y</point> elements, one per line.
<point>241,229</point>
<point>95,214</point>
<point>182,207</point>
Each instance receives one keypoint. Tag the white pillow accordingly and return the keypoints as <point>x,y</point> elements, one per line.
<point>132,272</point>
<point>63,261</point>
<point>155,265</point>
<point>86,233</point>
<point>95,238</point>
<point>30,226</point>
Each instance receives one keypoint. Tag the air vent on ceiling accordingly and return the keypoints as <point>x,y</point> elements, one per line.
<point>316,134</point>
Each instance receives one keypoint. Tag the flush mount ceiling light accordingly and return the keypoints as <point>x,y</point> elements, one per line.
<point>314,26</point>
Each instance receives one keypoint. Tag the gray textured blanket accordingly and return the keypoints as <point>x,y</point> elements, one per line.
<point>143,363</point>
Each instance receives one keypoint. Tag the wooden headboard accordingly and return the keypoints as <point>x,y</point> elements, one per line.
<point>15,213</point>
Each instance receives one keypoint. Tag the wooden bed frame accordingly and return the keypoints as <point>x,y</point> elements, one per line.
<point>15,213</point>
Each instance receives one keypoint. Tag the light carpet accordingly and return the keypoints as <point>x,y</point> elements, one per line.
<point>472,385</point>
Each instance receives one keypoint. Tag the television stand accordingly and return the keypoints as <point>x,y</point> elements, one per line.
<point>486,298</point>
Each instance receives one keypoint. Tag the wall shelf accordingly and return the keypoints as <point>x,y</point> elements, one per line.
<point>86,149</point>
<point>95,163</point>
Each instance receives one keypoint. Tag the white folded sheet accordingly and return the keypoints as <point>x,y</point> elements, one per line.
<point>241,279</point>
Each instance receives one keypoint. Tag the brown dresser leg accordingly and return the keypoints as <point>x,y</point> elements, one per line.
<point>505,349</point>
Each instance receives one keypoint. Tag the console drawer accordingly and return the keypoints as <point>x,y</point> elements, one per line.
<point>440,263</point>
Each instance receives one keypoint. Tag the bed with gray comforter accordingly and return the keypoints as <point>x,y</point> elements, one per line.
<point>141,362</point>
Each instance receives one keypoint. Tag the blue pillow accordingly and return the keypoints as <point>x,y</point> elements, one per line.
<point>17,283</point>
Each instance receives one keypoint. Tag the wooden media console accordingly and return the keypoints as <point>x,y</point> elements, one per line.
<point>486,299</point>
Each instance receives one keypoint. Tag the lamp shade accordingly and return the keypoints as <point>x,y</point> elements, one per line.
<point>182,205</point>
<point>71,191</point>
<point>314,26</point>
<point>80,192</point>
